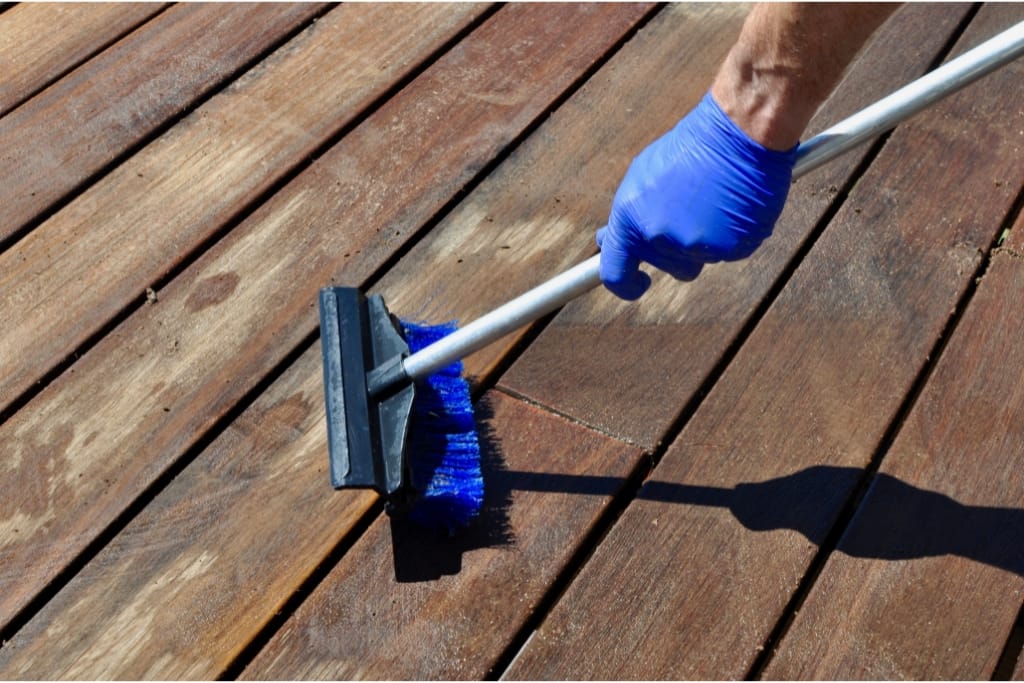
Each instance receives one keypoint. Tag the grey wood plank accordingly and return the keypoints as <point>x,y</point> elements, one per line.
<point>39,42</point>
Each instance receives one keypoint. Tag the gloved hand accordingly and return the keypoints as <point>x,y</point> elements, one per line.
<point>704,192</point>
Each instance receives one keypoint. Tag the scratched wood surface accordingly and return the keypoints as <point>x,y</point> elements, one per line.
<point>199,177</point>
<point>73,129</point>
<point>39,42</point>
<point>164,505</point>
<point>694,576</point>
<point>149,356</point>
<point>163,347</point>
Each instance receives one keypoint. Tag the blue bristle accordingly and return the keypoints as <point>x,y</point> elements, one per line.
<point>443,450</point>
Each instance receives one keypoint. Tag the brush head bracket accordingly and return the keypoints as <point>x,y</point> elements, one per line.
<point>362,346</point>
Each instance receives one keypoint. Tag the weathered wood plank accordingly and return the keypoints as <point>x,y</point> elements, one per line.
<point>929,578</point>
<point>401,606</point>
<point>217,553</point>
<point>696,573</point>
<point>88,444</point>
<point>54,142</point>
<point>665,346</point>
<point>209,561</point>
<point>39,42</point>
<point>192,180</point>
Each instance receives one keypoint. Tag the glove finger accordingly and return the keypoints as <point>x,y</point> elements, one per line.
<point>620,272</point>
<point>600,236</point>
<point>677,265</point>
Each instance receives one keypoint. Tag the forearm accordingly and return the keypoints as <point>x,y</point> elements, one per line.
<point>787,60</point>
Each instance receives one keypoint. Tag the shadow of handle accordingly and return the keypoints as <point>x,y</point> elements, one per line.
<point>894,521</point>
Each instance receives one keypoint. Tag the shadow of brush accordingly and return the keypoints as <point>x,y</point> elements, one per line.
<point>423,555</point>
<point>894,521</point>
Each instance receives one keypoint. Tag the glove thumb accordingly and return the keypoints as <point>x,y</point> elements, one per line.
<point>620,272</point>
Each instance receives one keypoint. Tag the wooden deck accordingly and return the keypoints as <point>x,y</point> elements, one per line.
<point>804,465</point>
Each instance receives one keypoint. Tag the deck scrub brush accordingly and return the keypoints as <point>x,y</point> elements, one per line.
<point>409,436</point>
<point>371,371</point>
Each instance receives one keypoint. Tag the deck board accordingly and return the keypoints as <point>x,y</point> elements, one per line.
<point>165,510</point>
<point>536,215</point>
<point>143,376</point>
<point>208,561</point>
<point>82,123</point>
<point>40,42</point>
<point>199,177</point>
<point>693,577</point>
<point>366,619</point>
<point>675,336</point>
<point>937,541</point>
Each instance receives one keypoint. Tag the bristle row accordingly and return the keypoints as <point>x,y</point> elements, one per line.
<point>443,450</point>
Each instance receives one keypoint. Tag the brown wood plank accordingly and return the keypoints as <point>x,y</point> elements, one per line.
<point>57,140</point>
<point>93,440</point>
<point>189,182</point>
<point>929,578</point>
<point>624,354</point>
<point>209,561</point>
<point>39,42</point>
<point>217,553</point>
<point>401,606</point>
<point>697,571</point>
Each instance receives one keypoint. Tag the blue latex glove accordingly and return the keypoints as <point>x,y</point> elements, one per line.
<point>704,192</point>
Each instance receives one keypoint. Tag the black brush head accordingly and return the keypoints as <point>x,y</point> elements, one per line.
<point>366,434</point>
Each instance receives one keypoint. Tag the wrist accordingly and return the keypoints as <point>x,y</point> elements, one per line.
<point>770,100</point>
<point>786,61</point>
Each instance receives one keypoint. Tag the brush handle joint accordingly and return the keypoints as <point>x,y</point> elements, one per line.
<point>385,379</point>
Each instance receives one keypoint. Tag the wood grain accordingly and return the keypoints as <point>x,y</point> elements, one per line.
<point>400,605</point>
<point>928,580</point>
<point>697,571</point>
<point>92,441</point>
<point>183,588</point>
<point>187,184</point>
<point>39,42</point>
<point>633,366</point>
<point>61,137</point>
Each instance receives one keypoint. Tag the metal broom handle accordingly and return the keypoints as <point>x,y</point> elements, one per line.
<point>822,148</point>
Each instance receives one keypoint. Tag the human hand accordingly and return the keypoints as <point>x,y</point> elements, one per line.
<point>702,193</point>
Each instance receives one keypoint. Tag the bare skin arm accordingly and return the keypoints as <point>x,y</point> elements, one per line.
<point>787,60</point>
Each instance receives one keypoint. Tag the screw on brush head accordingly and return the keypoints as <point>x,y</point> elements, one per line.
<point>363,347</point>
